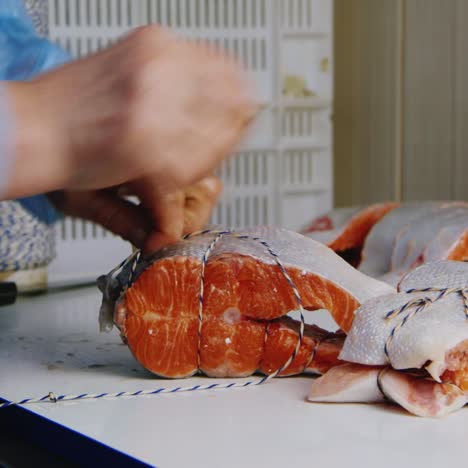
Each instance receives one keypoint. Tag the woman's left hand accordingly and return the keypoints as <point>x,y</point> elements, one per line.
<point>132,221</point>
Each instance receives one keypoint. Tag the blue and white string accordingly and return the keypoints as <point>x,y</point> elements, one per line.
<point>52,398</point>
<point>418,305</point>
<point>135,258</point>
<point>26,241</point>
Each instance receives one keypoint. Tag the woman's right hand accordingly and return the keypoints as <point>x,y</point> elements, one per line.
<point>153,112</point>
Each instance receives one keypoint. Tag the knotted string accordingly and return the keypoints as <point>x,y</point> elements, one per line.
<point>135,258</point>
<point>218,236</point>
<point>418,305</point>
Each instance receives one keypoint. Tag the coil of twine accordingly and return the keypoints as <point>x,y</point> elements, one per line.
<point>27,244</point>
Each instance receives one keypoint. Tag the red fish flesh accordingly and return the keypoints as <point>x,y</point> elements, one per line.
<point>243,328</point>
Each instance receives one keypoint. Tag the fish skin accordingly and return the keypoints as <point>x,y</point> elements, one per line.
<point>421,346</point>
<point>427,336</point>
<point>379,244</point>
<point>355,383</point>
<point>336,219</point>
<point>392,278</point>
<point>254,335</point>
<point>350,225</point>
<point>347,383</point>
<point>440,274</point>
<point>444,244</point>
<point>414,238</point>
<point>293,249</point>
<point>420,396</point>
<point>401,237</point>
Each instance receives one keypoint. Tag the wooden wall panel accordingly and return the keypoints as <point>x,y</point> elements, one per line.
<point>344,106</point>
<point>401,100</point>
<point>429,111</point>
<point>366,119</point>
<point>460,165</point>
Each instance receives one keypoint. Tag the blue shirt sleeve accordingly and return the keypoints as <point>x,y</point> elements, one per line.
<point>23,55</point>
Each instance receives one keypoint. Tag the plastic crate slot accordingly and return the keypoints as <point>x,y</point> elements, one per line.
<point>300,167</point>
<point>255,47</point>
<point>89,44</point>
<point>308,14</point>
<point>177,14</point>
<point>253,13</point>
<point>291,13</point>
<point>105,13</point>
<point>255,170</point>
<point>54,18</point>
<point>84,230</point>
<point>246,217</point>
<point>66,11</point>
<point>117,17</point>
<point>264,169</point>
<point>237,176</point>
<point>229,214</point>
<point>256,203</point>
<point>216,14</point>
<point>238,214</point>
<point>245,170</point>
<point>265,217</point>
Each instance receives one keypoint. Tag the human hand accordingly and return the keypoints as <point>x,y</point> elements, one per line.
<point>151,106</point>
<point>132,222</point>
<point>154,113</point>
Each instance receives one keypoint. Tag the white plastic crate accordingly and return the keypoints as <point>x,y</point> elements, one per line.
<point>282,174</point>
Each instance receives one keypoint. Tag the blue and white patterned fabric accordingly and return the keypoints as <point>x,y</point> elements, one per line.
<point>25,241</point>
<point>38,11</point>
<point>26,225</point>
<point>23,54</point>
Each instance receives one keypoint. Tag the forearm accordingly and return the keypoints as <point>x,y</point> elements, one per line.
<point>32,156</point>
<point>6,146</point>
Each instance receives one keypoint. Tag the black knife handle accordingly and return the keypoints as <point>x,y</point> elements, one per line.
<point>8,293</point>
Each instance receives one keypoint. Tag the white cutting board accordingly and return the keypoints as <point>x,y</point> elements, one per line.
<point>52,343</point>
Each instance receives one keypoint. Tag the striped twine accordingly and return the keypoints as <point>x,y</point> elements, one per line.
<point>243,237</point>
<point>418,305</point>
<point>52,398</point>
<point>135,258</point>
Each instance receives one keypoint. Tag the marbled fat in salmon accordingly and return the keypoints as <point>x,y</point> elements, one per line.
<point>246,297</point>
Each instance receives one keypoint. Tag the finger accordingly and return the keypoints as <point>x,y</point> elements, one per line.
<point>200,199</point>
<point>119,216</point>
<point>165,205</point>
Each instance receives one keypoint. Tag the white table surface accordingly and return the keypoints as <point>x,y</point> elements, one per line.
<point>52,343</point>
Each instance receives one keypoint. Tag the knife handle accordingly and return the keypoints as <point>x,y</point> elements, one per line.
<point>8,293</point>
